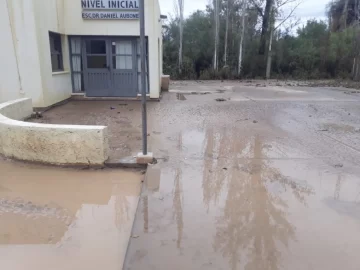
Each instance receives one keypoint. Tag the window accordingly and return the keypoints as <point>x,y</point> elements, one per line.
<point>122,52</point>
<point>76,64</point>
<point>56,52</point>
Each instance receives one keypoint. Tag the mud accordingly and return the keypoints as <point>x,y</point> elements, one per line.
<point>65,219</point>
<point>251,183</point>
<point>231,194</point>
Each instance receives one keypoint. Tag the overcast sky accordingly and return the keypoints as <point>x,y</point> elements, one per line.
<point>307,10</point>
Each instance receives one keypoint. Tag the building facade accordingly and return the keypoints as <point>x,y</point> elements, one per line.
<point>52,49</point>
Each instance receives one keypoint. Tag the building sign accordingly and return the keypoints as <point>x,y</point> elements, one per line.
<point>110,9</point>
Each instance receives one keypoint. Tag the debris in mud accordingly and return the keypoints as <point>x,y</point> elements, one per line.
<point>205,93</point>
<point>225,169</point>
<point>310,115</point>
<point>135,236</point>
<point>325,129</point>
<point>255,122</point>
<point>220,99</point>
<point>180,96</point>
<point>241,120</point>
<point>220,91</point>
<point>338,165</point>
<point>119,112</point>
<point>154,161</point>
<point>36,115</point>
<point>112,108</point>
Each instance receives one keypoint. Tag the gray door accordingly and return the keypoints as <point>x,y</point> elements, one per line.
<point>123,69</point>
<point>110,67</point>
<point>97,71</point>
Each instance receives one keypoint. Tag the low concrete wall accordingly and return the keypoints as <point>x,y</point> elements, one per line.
<point>54,144</point>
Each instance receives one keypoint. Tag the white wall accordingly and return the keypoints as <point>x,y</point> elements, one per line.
<point>20,72</point>
<point>50,17</point>
<point>10,86</point>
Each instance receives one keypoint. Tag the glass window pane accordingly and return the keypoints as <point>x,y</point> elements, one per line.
<point>55,51</point>
<point>76,45</point>
<point>76,61</point>
<point>122,62</point>
<point>78,82</point>
<point>96,47</point>
<point>56,62</point>
<point>96,62</point>
<point>122,47</point>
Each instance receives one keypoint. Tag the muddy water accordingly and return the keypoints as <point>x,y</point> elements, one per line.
<point>65,219</point>
<point>236,199</point>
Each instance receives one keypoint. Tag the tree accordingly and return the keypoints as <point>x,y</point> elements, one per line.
<point>227,31</point>
<point>233,29</point>
<point>216,32</point>
<point>242,36</point>
<point>277,14</point>
<point>180,10</point>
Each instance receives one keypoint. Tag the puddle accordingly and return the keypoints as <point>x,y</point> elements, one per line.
<point>244,201</point>
<point>65,219</point>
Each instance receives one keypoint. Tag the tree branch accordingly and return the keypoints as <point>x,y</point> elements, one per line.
<point>258,8</point>
<point>290,14</point>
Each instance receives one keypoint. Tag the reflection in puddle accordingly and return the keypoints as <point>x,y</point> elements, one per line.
<point>254,220</point>
<point>65,219</point>
<point>251,202</point>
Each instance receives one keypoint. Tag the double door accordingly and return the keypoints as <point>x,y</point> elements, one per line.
<point>110,67</point>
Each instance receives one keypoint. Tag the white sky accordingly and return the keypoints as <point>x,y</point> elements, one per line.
<point>307,10</point>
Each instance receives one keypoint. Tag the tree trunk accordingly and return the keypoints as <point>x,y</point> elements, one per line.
<point>217,22</point>
<point>344,15</point>
<point>181,32</point>
<point>265,26</point>
<point>242,36</point>
<point>269,56</point>
<point>269,53</point>
<point>226,32</point>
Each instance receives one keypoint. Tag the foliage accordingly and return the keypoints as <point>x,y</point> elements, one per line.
<point>314,51</point>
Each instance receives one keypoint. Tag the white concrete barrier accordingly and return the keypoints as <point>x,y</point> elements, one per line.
<point>53,144</point>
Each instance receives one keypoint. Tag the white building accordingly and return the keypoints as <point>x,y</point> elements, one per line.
<point>52,49</point>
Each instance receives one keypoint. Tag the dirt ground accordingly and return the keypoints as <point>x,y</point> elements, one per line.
<point>250,175</point>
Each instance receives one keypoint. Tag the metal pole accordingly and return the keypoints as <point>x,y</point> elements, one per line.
<point>143,74</point>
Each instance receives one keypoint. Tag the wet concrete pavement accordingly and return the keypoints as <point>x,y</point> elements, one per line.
<point>267,179</point>
<point>64,219</point>
<point>250,175</point>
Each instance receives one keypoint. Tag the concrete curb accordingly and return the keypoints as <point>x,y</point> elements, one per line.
<point>127,162</point>
<point>49,144</point>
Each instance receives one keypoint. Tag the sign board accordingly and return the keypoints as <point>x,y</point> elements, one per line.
<point>110,9</point>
